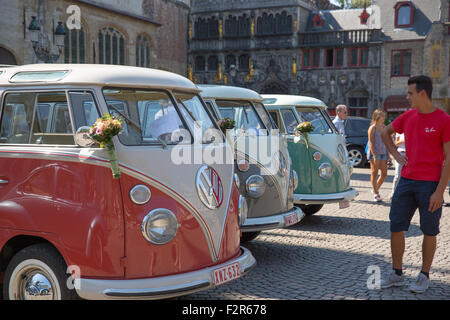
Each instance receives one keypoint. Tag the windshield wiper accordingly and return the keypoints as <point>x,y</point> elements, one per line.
<point>125,117</point>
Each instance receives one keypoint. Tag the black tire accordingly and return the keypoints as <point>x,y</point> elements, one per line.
<point>357,156</point>
<point>310,209</point>
<point>38,261</point>
<point>249,236</point>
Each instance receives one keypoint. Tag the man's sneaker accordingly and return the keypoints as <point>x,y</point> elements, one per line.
<point>392,280</point>
<point>421,284</point>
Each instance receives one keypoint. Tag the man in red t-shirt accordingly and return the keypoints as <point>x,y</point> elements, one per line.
<point>424,177</point>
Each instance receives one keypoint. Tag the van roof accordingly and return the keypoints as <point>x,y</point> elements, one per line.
<point>94,74</point>
<point>289,100</point>
<point>228,92</point>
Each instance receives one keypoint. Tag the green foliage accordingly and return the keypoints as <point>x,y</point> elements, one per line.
<point>351,4</point>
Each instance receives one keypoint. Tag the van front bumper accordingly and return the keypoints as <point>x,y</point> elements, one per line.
<point>160,287</point>
<point>325,197</point>
<point>281,220</point>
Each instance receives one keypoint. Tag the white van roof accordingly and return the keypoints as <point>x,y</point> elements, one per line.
<point>96,74</point>
<point>228,93</point>
<point>292,100</point>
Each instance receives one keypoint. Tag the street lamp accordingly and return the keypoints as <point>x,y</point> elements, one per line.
<point>41,44</point>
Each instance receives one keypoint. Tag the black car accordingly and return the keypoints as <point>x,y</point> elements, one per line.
<point>356,132</point>
<point>356,138</point>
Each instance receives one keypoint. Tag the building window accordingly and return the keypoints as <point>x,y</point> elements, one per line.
<point>329,58</point>
<point>363,57</point>
<point>244,62</point>
<point>339,57</point>
<point>358,106</point>
<point>306,61</point>
<point>206,28</point>
<point>229,61</point>
<point>334,57</point>
<point>353,57</point>
<point>111,47</point>
<point>283,23</point>
<point>311,58</point>
<point>317,21</point>
<point>364,17</point>
<point>404,14</point>
<point>142,52</point>
<point>75,46</point>
<point>270,25</point>
<point>199,64</point>
<point>401,63</point>
<point>213,63</point>
<point>315,58</point>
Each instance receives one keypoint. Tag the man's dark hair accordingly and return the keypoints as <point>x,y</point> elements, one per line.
<point>422,83</point>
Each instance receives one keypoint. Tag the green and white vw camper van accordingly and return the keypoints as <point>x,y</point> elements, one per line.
<point>322,165</point>
<point>263,167</point>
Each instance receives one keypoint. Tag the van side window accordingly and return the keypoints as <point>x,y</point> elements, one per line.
<point>84,109</point>
<point>36,118</point>
<point>290,121</point>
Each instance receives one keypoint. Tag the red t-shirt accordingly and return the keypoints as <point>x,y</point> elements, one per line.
<point>425,135</point>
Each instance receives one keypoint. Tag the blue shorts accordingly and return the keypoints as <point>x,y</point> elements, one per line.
<point>379,157</point>
<point>409,196</point>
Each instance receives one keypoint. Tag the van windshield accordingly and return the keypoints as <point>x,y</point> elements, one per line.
<point>150,116</point>
<point>245,116</point>
<point>317,119</point>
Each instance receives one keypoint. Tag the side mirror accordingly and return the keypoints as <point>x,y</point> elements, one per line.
<point>82,137</point>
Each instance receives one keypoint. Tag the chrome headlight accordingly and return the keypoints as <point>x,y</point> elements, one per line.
<point>140,194</point>
<point>159,226</point>
<point>295,179</point>
<point>255,186</point>
<point>243,165</point>
<point>325,170</point>
<point>243,210</point>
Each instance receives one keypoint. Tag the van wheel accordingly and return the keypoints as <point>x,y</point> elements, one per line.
<point>37,272</point>
<point>249,236</point>
<point>310,209</point>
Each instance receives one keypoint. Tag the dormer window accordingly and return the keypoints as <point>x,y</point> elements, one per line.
<point>317,21</point>
<point>404,14</point>
<point>364,17</point>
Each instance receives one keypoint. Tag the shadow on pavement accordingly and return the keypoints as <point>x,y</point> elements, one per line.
<point>346,226</point>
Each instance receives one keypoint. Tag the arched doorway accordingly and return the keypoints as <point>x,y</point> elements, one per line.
<point>273,88</point>
<point>6,57</point>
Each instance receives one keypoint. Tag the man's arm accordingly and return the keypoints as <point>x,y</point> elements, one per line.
<point>386,135</point>
<point>437,197</point>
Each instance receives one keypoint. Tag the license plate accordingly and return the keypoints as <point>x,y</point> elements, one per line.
<point>290,219</point>
<point>227,273</point>
<point>344,204</point>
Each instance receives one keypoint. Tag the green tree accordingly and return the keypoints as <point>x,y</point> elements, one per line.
<point>351,4</point>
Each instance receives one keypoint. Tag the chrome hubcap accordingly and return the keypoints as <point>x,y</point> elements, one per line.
<point>33,283</point>
<point>355,157</point>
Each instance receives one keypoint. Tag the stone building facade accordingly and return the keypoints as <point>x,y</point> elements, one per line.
<point>416,41</point>
<point>147,33</point>
<point>338,56</point>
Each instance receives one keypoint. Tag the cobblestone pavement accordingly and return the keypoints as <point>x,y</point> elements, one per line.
<point>327,255</point>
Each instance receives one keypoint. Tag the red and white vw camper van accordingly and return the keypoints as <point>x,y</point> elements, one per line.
<point>162,229</point>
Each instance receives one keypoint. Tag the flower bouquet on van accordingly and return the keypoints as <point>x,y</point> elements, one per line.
<point>102,131</point>
<point>303,129</point>
<point>226,124</point>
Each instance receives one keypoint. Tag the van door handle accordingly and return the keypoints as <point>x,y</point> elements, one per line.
<point>3,181</point>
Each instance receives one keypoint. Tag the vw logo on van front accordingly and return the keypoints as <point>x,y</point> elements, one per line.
<point>209,187</point>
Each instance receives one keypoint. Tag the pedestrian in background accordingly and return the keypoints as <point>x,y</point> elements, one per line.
<point>424,177</point>
<point>377,153</point>
<point>400,144</point>
<point>341,115</point>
